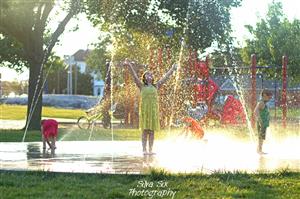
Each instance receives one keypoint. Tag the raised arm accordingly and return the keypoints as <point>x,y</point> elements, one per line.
<point>133,73</point>
<point>167,76</point>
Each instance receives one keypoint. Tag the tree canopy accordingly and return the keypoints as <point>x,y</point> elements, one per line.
<point>273,37</point>
<point>199,23</point>
<point>137,27</point>
<point>158,33</point>
<point>23,30</point>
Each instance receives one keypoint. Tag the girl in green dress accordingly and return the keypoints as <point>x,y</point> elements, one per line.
<point>149,103</point>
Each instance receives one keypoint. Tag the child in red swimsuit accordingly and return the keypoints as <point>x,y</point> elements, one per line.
<point>49,128</point>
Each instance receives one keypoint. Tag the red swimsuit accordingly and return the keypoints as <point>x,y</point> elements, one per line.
<point>50,128</point>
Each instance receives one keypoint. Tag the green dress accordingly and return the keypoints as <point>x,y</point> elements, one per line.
<point>149,109</point>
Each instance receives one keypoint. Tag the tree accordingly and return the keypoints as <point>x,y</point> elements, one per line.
<point>272,38</point>
<point>199,22</point>
<point>23,23</point>
<point>57,82</point>
<point>140,28</point>
<point>96,60</point>
<point>11,53</point>
<point>226,57</point>
<point>55,74</point>
<point>15,87</point>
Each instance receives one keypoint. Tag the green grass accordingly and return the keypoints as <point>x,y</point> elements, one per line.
<point>17,135</point>
<point>75,134</point>
<point>291,113</point>
<point>36,184</point>
<point>121,134</point>
<point>18,112</point>
<point>242,132</point>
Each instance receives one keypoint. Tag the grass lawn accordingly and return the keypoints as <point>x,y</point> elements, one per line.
<point>73,133</point>
<point>36,184</point>
<point>291,113</point>
<point>18,112</point>
<point>76,134</point>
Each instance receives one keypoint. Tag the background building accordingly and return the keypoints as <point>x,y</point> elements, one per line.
<point>77,64</point>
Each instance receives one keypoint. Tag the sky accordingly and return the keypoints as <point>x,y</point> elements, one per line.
<point>249,12</point>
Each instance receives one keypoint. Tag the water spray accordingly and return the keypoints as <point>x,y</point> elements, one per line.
<point>179,63</point>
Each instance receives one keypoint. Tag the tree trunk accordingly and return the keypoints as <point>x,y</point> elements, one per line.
<point>34,107</point>
<point>30,33</point>
<point>37,57</point>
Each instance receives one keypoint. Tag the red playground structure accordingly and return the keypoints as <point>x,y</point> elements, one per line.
<point>233,112</point>
<point>205,91</point>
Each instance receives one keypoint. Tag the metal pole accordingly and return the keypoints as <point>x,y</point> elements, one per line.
<point>160,59</point>
<point>58,82</point>
<point>207,86</point>
<point>151,64</point>
<point>71,82</point>
<point>284,90</point>
<point>168,47</point>
<point>253,92</point>
<point>0,85</point>
<point>75,81</point>
<point>195,75</point>
<point>67,60</point>
<point>127,109</point>
<point>68,81</point>
<point>275,97</point>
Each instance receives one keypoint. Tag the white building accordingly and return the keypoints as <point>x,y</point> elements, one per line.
<point>79,59</point>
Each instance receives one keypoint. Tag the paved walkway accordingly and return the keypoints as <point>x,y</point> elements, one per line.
<point>19,124</point>
<point>12,124</point>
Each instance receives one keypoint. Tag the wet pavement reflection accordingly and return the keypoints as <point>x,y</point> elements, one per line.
<point>184,156</point>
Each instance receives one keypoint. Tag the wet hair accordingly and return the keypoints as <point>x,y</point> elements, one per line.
<point>266,92</point>
<point>144,78</point>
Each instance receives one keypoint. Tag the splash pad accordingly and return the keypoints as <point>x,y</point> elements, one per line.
<point>174,154</point>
